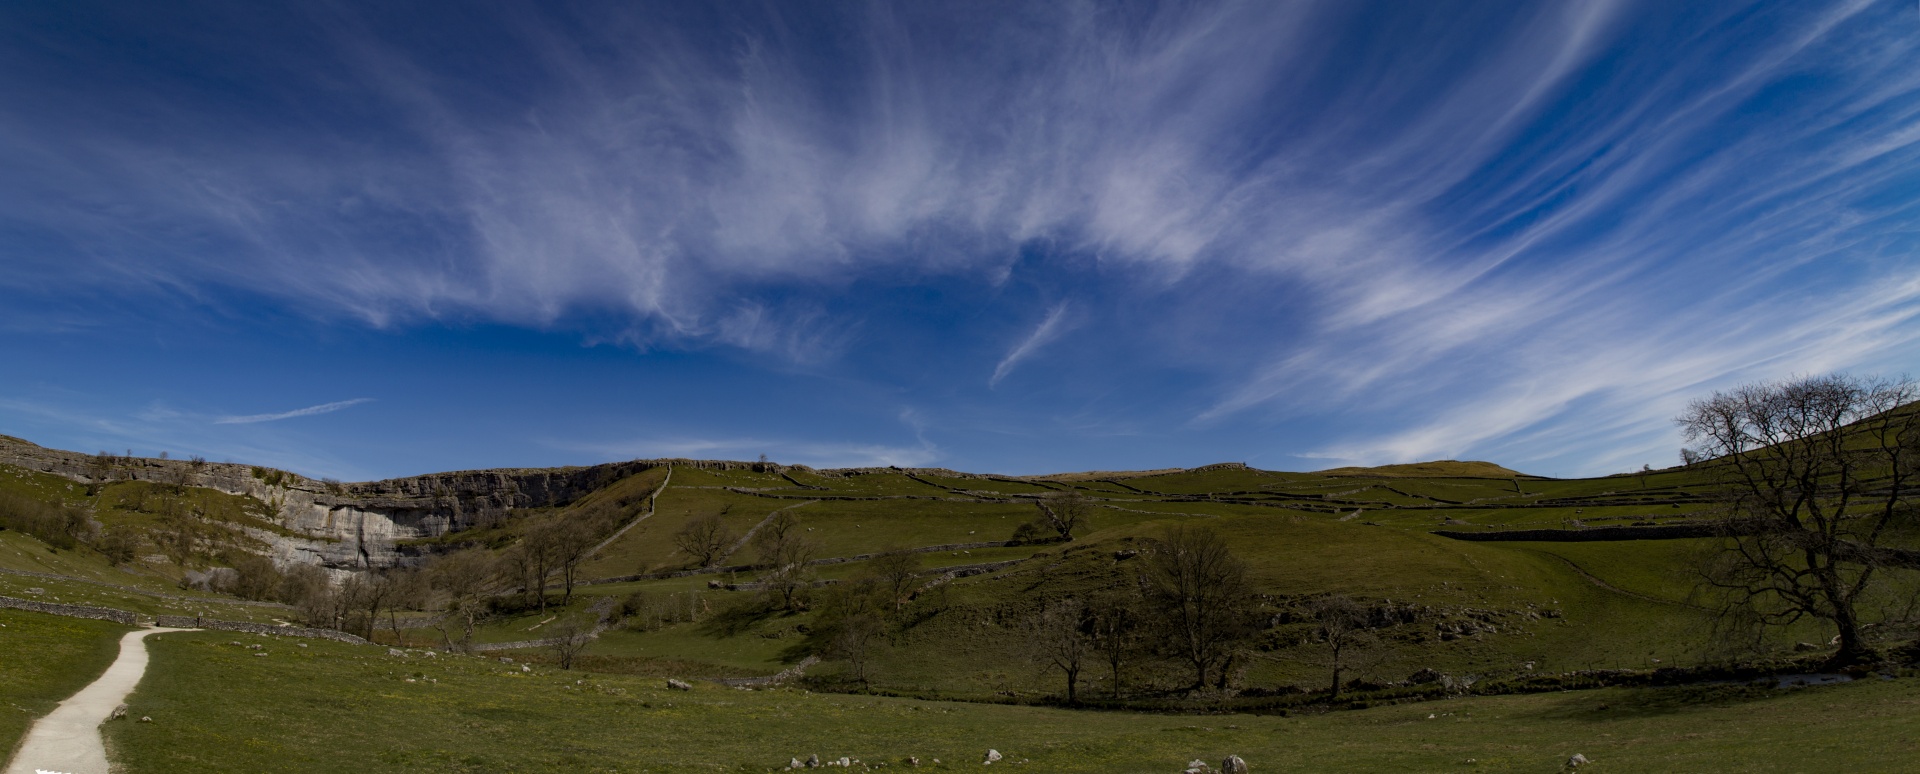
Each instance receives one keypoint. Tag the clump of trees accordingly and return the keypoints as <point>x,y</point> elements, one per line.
<point>857,616</point>
<point>1818,477</point>
<point>59,525</point>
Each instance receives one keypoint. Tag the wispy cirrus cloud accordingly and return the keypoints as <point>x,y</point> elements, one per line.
<point>1049,329</point>
<point>1459,229</point>
<point>324,408</point>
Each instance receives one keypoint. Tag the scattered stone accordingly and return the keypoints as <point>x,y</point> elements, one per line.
<point>301,644</point>
<point>992,755</point>
<point>813,761</point>
<point>1197,766</point>
<point>913,760</point>
<point>259,655</point>
<point>714,584</point>
<point>505,660</point>
<point>679,685</point>
<point>396,652</point>
<point>1424,676</point>
<point>525,668</point>
<point>794,763</point>
<point>145,719</point>
<point>845,762</point>
<point>1233,765</point>
<point>1577,761</point>
<point>119,713</point>
<point>36,591</point>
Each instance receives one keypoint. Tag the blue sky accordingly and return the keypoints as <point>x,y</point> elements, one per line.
<point>394,238</point>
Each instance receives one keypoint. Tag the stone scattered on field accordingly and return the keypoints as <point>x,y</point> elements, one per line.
<point>1577,761</point>
<point>679,685</point>
<point>396,652</point>
<point>145,719</point>
<point>1197,766</point>
<point>813,761</point>
<point>992,755</point>
<point>1233,765</point>
<point>913,760</point>
<point>120,712</point>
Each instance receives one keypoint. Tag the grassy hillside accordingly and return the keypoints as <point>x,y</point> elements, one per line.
<point>1490,610</point>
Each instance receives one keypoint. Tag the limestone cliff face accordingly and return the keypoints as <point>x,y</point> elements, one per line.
<point>356,525</point>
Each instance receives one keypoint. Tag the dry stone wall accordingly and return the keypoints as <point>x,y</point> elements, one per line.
<point>72,611</point>
<point>196,622</point>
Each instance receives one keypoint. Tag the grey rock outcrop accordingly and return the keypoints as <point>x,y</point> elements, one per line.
<point>355,525</point>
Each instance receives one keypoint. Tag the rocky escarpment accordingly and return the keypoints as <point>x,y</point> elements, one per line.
<point>355,525</point>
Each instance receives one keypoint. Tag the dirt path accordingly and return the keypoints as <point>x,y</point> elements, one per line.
<point>67,740</point>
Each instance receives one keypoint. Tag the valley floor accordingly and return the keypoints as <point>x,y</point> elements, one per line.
<point>221,706</point>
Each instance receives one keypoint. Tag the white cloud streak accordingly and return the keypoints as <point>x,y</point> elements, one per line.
<point>1049,329</point>
<point>1513,242</point>
<point>324,408</point>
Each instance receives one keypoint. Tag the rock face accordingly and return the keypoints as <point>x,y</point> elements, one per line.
<point>356,525</point>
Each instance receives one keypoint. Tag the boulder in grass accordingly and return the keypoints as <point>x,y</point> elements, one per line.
<point>992,755</point>
<point>679,685</point>
<point>1577,761</point>
<point>1233,765</point>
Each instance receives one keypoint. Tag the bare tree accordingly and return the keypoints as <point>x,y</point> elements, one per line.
<point>1116,627</point>
<point>573,540</point>
<point>786,554</point>
<point>1065,511</point>
<point>1341,625</point>
<point>704,539</point>
<point>1057,638</point>
<point>1202,589</point>
<point>567,638</point>
<point>1817,473</point>
<point>897,572</point>
<point>468,578</point>
<point>534,558</point>
<point>366,594</point>
<point>853,618</point>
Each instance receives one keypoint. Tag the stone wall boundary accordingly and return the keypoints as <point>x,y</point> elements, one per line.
<point>1665,532</point>
<point>72,611</point>
<point>197,622</point>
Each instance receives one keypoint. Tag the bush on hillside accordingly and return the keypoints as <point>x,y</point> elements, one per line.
<point>60,526</point>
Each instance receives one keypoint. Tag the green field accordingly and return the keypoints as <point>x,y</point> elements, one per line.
<point>331,707</point>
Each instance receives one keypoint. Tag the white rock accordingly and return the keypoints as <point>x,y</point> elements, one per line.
<point>1233,765</point>
<point>1577,761</point>
<point>992,755</point>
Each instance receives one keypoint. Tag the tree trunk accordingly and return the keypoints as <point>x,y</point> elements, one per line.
<point>1073,685</point>
<point>1853,643</point>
